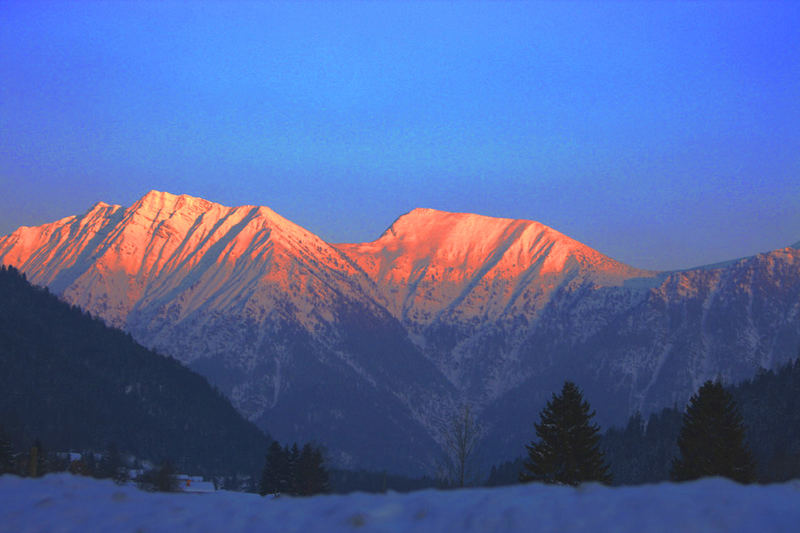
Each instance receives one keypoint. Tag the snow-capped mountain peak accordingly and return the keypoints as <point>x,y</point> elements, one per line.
<point>111,258</point>
<point>429,261</point>
<point>386,338</point>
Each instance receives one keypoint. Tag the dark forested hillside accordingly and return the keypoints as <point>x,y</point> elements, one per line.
<point>75,383</point>
<point>642,451</point>
<point>770,406</point>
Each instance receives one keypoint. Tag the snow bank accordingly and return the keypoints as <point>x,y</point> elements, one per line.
<point>68,503</point>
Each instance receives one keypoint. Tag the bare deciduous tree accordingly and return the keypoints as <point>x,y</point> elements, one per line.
<point>460,438</point>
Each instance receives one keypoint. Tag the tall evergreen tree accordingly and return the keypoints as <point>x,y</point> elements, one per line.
<point>293,456</point>
<point>275,478</point>
<point>568,450</point>
<point>6,454</point>
<point>293,471</point>
<point>711,441</point>
<point>311,474</point>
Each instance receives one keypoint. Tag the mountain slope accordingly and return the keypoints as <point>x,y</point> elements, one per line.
<point>78,384</point>
<point>650,348</point>
<point>470,268</point>
<point>464,283</point>
<point>281,321</point>
<point>371,347</point>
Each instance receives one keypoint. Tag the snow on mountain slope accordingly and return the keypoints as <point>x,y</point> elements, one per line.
<point>50,254</point>
<point>471,286</point>
<point>373,345</point>
<point>166,243</point>
<point>110,260</point>
<point>645,349</point>
<point>475,268</point>
<point>273,315</point>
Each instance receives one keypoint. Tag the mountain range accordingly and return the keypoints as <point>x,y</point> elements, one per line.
<point>371,348</point>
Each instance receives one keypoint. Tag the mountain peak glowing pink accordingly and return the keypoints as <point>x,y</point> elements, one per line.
<point>388,338</point>
<point>172,259</point>
<point>111,259</point>
<point>427,262</point>
<point>430,261</point>
<point>175,258</point>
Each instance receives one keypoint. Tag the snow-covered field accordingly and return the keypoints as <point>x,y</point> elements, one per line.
<point>68,503</point>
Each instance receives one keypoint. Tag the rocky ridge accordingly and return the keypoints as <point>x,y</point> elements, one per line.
<point>366,346</point>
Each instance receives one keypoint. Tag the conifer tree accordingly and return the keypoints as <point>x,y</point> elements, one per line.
<point>293,456</point>
<point>276,474</point>
<point>311,474</point>
<point>293,471</point>
<point>568,450</point>
<point>711,441</point>
<point>6,454</point>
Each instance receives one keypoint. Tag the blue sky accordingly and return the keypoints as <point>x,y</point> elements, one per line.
<point>666,135</point>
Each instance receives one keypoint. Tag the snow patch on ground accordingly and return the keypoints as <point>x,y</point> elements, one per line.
<point>63,502</point>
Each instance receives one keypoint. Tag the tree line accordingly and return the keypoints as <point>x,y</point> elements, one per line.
<point>770,407</point>
<point>293,471</point>
<point>37,461</point>
<point>747,432</point>
<point>710,442</point>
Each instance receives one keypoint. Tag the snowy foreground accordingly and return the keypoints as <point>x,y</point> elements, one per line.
<point>63,502</point>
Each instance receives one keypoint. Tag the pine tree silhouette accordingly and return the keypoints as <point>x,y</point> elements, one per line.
<point>568,449</point>
<point>311,474</point>
<point>711,441</point>
<point>6,454</point>
<point>293,456</point>
<point>276,476</point>
<point>293,471</point>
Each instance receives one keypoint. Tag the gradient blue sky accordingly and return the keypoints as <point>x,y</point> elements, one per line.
<point>665,135</point>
